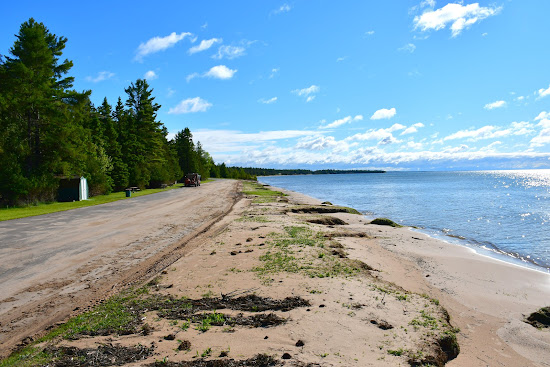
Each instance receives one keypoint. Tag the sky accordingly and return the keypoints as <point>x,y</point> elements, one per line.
<point>318,84</point>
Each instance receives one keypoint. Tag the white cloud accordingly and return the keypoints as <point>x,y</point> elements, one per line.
<point>544,92</point>
<point>308,92</point>
<point>409,47</point>
<point>340,59</point>
<point>101,76</point>
<point>543,115</point>
<point>389,140</point>
<point>396,127</point>
<point>157,44</point>
<point>220,72</point>
<point>369,33</point>
<point>170,92</point>
<point>491,147</point>
<point>274,72</point>
<point>412,129</point>
<point>314,149</point>
<point>497,104</point>
<point>429,3</point>
<point>204,45</point>
<point>150,75</point>
<point>229,52</point>
<point>190,105</point>
<point>378,134</point>
<point>492,132</point>
<point>192,76</point>
<point>217,72</point>
<point>413,145</point>
<point>461,148</point>
<point>422,5</point>
<point>342,121</point>
<point>383,114</point>
<point>232,140</point>
<point>317,143</point>
<point>543,137</point>
<point>268,101</point>
<point>459,17</point>
<point>285,8</point>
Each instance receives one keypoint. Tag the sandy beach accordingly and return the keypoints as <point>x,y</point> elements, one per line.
<point>311,284</point>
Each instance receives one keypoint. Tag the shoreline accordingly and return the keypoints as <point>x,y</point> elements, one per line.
<point>496,254</point>
<point>366,295</point>
<point>471,284</point>
<point>471,243</point>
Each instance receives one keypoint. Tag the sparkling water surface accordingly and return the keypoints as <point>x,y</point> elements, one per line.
<point>497,212</point>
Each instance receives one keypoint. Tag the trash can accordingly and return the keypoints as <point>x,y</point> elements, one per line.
<point>128,193</point>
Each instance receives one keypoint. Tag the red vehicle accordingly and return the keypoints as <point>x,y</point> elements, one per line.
<point>192,179</point>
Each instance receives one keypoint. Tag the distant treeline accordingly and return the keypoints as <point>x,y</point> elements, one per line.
<point>274,172</point>
<point>49,131</point>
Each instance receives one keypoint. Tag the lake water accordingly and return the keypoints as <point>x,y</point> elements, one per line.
<point>502,213</point>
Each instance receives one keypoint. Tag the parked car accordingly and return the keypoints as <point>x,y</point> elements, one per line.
<point>192,179</point>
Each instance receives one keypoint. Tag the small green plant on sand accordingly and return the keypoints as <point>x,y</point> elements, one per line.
<point>385,222</point>
<point>396,352</point>
<point>185,325</point>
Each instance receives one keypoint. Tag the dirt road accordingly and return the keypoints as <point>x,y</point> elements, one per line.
<point>54,265</point>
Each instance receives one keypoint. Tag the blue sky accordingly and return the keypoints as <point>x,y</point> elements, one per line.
<point>395,84</point>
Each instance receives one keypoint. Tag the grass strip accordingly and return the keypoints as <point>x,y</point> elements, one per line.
<point>47,208</point>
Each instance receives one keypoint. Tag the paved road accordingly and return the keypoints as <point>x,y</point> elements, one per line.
<point>49,261</point>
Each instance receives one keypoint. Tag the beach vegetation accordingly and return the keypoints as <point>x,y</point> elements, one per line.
<point>402,297</point>
<point>260,193</point>
<point>323,209</point>
<point>540,318</point>
<point>396,352</point>
<point>385,222</point>
<point>426,320</point>
<point>185,325</point>
<point>114,316</point>
<point>253,218</point>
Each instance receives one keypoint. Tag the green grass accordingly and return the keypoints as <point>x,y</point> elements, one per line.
<point>209,320</point>
<point>301,250</point>
<point>27,357</point>
<point>115,314</point>
<point>40,209</point>
<point>385,222</point>
<point>262,194</point>
<point>396,352</point>
<point>426,320</point>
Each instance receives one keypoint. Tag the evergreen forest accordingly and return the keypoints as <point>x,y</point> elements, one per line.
<point>50,131</point>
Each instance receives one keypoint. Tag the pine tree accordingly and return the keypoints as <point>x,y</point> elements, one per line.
<point>204,161</point>
<point>40,139</point>
<point>149,157</point>
<point>119,172</point>
<point>185,148</point>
